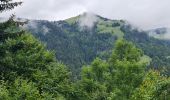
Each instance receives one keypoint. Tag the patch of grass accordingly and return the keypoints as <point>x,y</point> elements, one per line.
<point>107,27</point>
<point>72,20</point>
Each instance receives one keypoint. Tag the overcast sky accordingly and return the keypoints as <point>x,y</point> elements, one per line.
<point>145,14</point>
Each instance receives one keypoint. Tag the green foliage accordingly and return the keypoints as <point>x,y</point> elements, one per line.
<point>108,26</point>
<point>21,55</point>
<point>24,54</point>
<point>126,67</point>
<point>122,77</point>
<point>22,89</point>
<point>116,78</point>
<point>4,93</point>
<point>93,80</point>
<point>72,21</point>
<point>153,87</point>
<point>126,51</point>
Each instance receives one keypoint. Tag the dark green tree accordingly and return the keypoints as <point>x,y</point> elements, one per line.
<point>21,55</point>
<point>8,5</point>
<point>116,78</point>
<point>127,69</point>
<point>94,80</point>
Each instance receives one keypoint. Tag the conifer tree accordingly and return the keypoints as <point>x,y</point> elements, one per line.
<point>8,5</point>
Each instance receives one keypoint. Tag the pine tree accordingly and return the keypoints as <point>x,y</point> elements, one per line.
<point>23,56</point>
<point>8,5</point>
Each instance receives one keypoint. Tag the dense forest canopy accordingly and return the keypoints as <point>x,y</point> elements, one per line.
<point>114,68</point>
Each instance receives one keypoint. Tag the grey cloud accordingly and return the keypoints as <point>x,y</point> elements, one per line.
<point>45,30</point>
<point>164,34</point>
<point>145,14</point>
<point>87,20</point>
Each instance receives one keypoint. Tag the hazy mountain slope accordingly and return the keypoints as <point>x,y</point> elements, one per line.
<point>75,45</point>
<point>157,49</point>
<point>78,40</point>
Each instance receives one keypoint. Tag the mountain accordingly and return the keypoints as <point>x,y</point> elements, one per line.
<point>78,40</point>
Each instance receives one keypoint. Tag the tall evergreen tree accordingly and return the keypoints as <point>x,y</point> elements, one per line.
<point>8,5</point>
<point>23,56</point>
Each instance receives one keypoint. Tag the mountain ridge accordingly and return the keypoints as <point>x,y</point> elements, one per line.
<point>76,46</point>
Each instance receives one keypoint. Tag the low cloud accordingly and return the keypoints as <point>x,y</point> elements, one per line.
<point>33,25</point>
<point>3,20</point>
<point>146,14</point>
<point>45,30</point>
<point>163,33</point>
<point>87,20</point>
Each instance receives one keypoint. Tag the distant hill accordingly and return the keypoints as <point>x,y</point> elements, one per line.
<point>78,40</point>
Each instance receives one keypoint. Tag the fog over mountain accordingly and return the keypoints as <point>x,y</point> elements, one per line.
<point>146,14</point>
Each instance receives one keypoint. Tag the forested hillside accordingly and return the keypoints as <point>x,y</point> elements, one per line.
<point>76,44</point>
